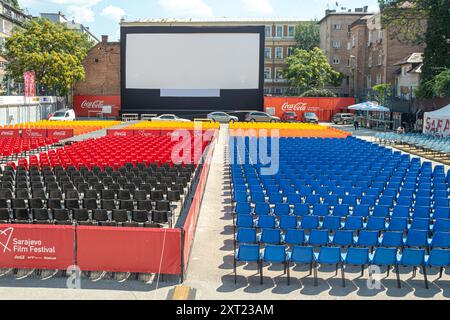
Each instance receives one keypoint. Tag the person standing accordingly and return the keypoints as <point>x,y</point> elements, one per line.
<point>356,123</point>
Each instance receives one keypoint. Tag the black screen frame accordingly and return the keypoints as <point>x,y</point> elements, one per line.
<point>149,101</point>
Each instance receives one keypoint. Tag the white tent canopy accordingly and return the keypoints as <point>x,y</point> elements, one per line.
<point>437,122</point>
<point>368,106</point>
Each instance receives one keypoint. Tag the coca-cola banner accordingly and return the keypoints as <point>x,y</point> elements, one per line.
<point>60,134</point>
<point>91,106</point>
<point>34,133</point>
<point>324,108</point>
<point>11,133</point>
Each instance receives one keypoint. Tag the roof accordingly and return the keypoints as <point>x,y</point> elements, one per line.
<point>417,69</point>
<point>345,13</point>
<point>443,113</point>
<point>416,57</point>
<point>210,20</point>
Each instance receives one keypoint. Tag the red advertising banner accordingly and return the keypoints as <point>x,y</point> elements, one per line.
<point>34,133</point>
<point>324,108</point>
<point>11,133</point>
<point>91,106</point>
<point>194,211</point>
<point>129,249</point>
<point>60,134</point>
<point>25,246</point>
<point>147,133</point>
<point>30,85</point>
<point>120,133</point>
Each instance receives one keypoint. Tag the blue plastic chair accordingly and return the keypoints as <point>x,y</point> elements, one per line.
<point>301,256</point>
<point>341,210</point>
<point>439,258</point>
<point>243,208</point>
<point>361,211</point>
<point>332,256</point>
<point>266,222</point>
<point>246,235</point>
<point>417,239</point>
<point>270,236</point>
<point>343,238</point>
<point>441,213</point>
<point>421,212</point>
<point>262,209</point>
<point>309,222</point>
<point>244,221</point>
<point>400,212</point>
<point>294,198</point>
<point>288,222</point>
<point>357,257</point>
<point>246,253</point>
<point>392,239</point>
<point>367,239</point>
<point>386,201</point>
<point>440,240</point>
<point>376,224</point>
<point>381,211</point>
<point>275,198</point>
<point>420,224</point>
<point>353,223</point>
<point>320,210</point>
<point>442,202</point>
<point>240,197</point>
<point>318,238</point>
<point>349,200</point>
<point>398,224</point>
<point>414,258</point>
<point>273,254</point>
<point>441,225</point>
<point>282,209</point>
<point>331,223</point>
<point>423,202</point>
<point>257,197</point>
<point>294,237</point>
<point>301,210</point>
<point>386,257</point>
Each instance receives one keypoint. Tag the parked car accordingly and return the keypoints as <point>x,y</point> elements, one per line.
<point>222,117</point>
<point>310,117</point>
<point>289,116</point>
<point>63,115</point>
<point>344,118</point>
<point>258,116</point>
<point>169,117</point>
<point>241,115</point>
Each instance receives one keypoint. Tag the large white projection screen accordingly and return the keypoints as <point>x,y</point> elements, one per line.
<point>193,61</point>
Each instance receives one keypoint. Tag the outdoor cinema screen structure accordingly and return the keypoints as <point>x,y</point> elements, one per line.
<point>191,71</point>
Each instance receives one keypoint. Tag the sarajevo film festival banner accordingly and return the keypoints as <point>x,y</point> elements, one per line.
<point>30,85</point>
<point>324,108</point>
<point>36,246</point>
<point>91,106</point>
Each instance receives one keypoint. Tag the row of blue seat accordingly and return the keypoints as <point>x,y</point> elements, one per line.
<point>344,238</point>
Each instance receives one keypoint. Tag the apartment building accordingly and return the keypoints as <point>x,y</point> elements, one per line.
<point>61,18</point>
<point>374,56</point>
<point>280,41</point>
<point>10,18</point>
<point>335,41</point>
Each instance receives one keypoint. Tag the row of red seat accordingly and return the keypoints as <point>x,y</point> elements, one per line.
<point>11,146</point>
<point>113,151</point>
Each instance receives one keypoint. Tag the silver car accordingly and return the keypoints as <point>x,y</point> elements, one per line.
<point>222,117</point>
<point>258,116</point>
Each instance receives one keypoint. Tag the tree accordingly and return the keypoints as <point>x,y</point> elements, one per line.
<point>51,50</point>
<point>441,84</point>
<point>307,35</point>
<point>310,70</point>
<point>382,92</point>
<point>318,93</point>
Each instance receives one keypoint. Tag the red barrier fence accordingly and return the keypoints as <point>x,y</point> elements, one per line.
<point>36,246</point>
<point>129,249</point>
<point>194,211</point>
<point>146,133</point>
<point>324,108</point>
<point>34,133</point>
<point>13,133</point>
<point>60,134</point>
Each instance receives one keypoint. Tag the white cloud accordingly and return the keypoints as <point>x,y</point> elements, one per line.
<point>113,13</point>
<point>263,7</point>
<point>80,14</point>
<point>186,8</point>
<point>86,3</point>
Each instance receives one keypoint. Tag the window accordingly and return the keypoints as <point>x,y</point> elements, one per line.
<point>369,82</point>
<point>278,53</point>
<point>267,73</point>
<point>380,35</point>
<point>291,31</point>
<point>279,73</point>
<point>290,51</point>
<point>335,60</point>
<point>380,59</point>
<point>279,33</point>
<point>268,53</point>
<point>353,41</point>
<point>336,44</point>
<point>369,39</point>
<point>378,78</point>
<point>349,46</point>
<point>267,90</point>
<point>278,91</point>
<point>337,26</point>
<point>268,31</point>
<point>370,60</point>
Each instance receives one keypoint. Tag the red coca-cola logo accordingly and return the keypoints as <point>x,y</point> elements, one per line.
<point>300,106</point>
<point>96,104</point>
<point>59,133</point>
<point>120,134</point>
<point>7,133</point>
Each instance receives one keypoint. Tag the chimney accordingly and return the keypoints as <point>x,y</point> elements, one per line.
<point>104,39</point>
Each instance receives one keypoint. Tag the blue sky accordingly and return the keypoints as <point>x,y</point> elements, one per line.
<point>103,16</point>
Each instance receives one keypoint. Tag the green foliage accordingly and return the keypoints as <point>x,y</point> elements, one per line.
<point>319,93</point>
<point>310,70</point>
<point>52,51</point>
<point>437,87</point>
<point>307,35</point>
<point>15,4</point>
<point>381,92</point>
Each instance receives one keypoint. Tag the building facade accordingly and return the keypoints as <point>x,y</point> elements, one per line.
<point>335,41</point>
<point>374,55</point>
<point>10,18</point>
<point>407,78</point>
<point>279,43</point>
<point>61,18</point>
